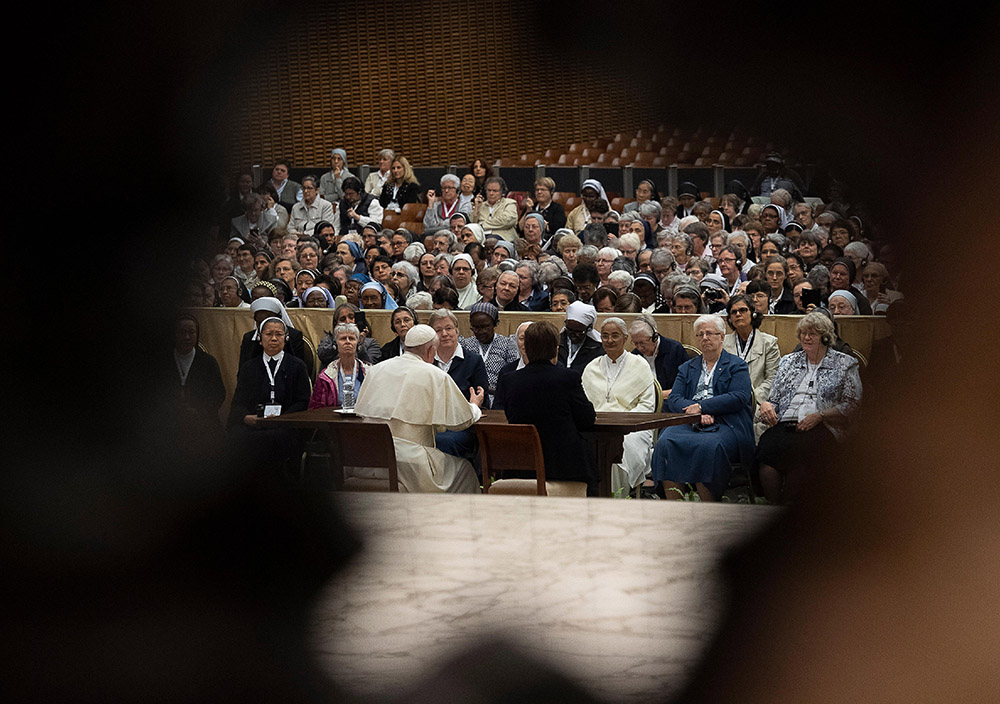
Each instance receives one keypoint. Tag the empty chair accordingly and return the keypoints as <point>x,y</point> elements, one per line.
<point>414,226</point>
<point>391,220</point>
<point>514,447</point>
<point>413,211</point>
<point>363,444</point>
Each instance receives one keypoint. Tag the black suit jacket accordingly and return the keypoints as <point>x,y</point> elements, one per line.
<point>592,349</point>
<point>508,368</point>
<point>390,349</point>
<point>203,393</point>
<point>554,214</point>
<point>552,399</point>
<point>669,357</point>
<point>470,371</point>
<point>252,349</point>
<point>253,387</point>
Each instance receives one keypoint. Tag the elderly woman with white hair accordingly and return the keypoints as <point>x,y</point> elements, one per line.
<point>605,258</point>
<point>440,209</point>
<point>651,212</point>
<point>617,381</point>
<point>405,277</point>
<point>339,383</point>
<point>814,396</point>
<point>715,385</point>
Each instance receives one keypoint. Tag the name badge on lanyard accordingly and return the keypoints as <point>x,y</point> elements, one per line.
<point>272,408</point>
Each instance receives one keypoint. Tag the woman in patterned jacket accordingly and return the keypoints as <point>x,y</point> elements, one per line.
<point>813,398</point>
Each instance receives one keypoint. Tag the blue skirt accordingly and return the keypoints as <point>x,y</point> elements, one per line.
<point>684,455</point>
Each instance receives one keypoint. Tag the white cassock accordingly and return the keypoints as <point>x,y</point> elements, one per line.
<point>417,400</point>
<point>625,385</point>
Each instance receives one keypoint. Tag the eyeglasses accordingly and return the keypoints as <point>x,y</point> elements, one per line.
<point>739,311</point>
<point>728,259</point>
<point>702,335</point>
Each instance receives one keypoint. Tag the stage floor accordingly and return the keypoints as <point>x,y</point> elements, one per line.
<point>621,595</point>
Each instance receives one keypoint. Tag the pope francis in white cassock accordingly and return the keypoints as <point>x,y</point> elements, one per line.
<point>417,400</point>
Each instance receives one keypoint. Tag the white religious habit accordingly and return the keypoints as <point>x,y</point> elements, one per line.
<point>626,384</point>
<point>417,400</point>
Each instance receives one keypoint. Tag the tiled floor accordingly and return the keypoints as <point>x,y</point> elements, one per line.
<point>621,594</point>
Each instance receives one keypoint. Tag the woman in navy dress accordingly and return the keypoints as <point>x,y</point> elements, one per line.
<point>716,385</point>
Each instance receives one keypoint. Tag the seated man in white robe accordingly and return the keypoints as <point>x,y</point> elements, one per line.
<point>617,381</point>
<point>417,400</point>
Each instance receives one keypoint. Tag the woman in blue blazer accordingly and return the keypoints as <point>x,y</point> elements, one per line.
<point>716,385</point>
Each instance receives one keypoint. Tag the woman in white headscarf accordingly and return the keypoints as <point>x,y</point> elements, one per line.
<point>250,345</point>
<point>579,343</point>
<point>590,191</point>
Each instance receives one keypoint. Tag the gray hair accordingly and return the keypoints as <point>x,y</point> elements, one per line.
<point>386,154</point>
<point>818,323</point>
<point>346,327</point>
<point>811,237</point>
<point>222,257</point>
<point>442,313</point>
<point>531,266</point>
<point>420,300</point>
<point>630,216</point>
<point>452,179</point>
<point>498,181</point>
<point>609,250</point>
<point>411,271</point>
<point>738,235</point>
<point>633,239</point>
<point>674,280</point>
<point>819,277</point>
<point>644,322</point>
<point>449,234</point>
<point>780,241</point>
<point>588,251</point>
<point>710,319</point>
<point>447,257</point>
<point>550,269</point>
<point>509,271</point>
<point>622,276</point>
<point>618,322</point>
<point>650,208</point>
<point>661,257</point>
<point>686,240</point>
<point>414,251</point>
<point>507,265</point>
<point>783,195</point>
<point>859,248</point>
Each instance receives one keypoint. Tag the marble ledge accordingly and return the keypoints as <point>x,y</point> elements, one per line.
<point>621,595</point>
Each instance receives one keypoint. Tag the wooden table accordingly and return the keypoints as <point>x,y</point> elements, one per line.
<point>607,437</point>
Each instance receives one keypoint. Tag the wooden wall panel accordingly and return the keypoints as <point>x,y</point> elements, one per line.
<point>440,83</point>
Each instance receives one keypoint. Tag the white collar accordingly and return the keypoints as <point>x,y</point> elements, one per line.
<point>280,356</point>
<point>459,352</point>
<point>186,358</point>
